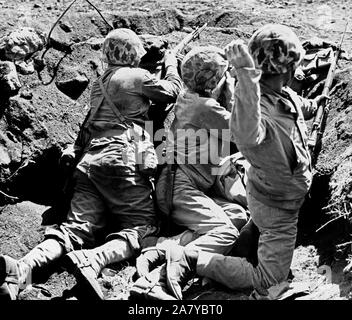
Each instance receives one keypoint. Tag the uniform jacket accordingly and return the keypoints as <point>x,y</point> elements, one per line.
<point>131,90</point>
<point>269,129</point>
<point>199,134</point>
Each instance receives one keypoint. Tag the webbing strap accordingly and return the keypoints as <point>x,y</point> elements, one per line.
<point>92,113</point>
<point>111,104</point>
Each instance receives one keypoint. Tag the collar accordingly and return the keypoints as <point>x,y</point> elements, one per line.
<point>285,98</point>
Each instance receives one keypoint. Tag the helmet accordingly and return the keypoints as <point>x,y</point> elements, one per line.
<point>203,67</point>
<point>122,47</point>
<point>275,48</point>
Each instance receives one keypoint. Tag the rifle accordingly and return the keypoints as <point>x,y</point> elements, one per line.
<point>324,108</point>
<point>158,113</point>
<point>180,46</point>
<point>190,37</point>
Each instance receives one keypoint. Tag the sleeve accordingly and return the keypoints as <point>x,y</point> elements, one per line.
<point>227,96</point>
<point>213,117</point>
<point>309,107</point>
<point>162,91</point>
<point>248,128</point>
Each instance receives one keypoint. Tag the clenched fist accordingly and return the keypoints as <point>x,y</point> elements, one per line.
<point>237,54</point>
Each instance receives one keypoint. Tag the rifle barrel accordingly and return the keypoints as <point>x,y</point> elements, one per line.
<point>189,38</point>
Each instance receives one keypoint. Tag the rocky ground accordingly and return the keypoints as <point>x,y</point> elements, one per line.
<point>41,114</point>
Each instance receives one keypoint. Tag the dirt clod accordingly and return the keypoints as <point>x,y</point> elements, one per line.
<point>9,82</point>
<point>73,87</point>
<point>22,43</point>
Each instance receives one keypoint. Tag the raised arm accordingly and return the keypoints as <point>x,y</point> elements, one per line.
<point>246,124</point>
<point>167,89</point>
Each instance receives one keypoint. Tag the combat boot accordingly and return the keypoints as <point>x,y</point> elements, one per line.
<point>149,259</point>
<point>16,275</point>
<point>86,265</point>
<point>152,286</point>
<point>153,256</point>
<point>83,265</point>
<point>181,264</point>
<point>11,274</point>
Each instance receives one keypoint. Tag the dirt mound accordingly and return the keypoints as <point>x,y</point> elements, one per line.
<point>221,19</point>
<point>158,22</point>
<point>338,132</point>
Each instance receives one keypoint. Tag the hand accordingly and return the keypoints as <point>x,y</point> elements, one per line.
<point>170,58</point>
<point>321,99</point>
<point>237,54</point>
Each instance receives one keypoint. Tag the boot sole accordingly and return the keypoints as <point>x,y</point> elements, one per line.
<point>91,287</point>
<point>139,294</point>
<point>142,291</point>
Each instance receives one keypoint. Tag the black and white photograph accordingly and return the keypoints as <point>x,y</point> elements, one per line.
<point>180,156</point>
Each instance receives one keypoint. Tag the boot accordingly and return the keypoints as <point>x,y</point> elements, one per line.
<point>16,275</point>
<point>149,259</point>
<point>153,256</point>
<point>152,286</point>
<point>181,266</point>
<point>86,265</point>
<point>11,271</point>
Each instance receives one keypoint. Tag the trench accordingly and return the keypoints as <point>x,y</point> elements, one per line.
<point>41,182</point>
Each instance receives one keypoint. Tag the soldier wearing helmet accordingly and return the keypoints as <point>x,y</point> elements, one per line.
<point>112,200</point>
<point>267,125</point>
<point>197,143</point>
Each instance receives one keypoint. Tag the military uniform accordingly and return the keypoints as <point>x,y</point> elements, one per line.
<point>112,199</point>
<point>197,143</point>
<point>269,129</point>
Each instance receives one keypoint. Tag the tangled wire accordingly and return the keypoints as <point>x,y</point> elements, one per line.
<point>40,62</point>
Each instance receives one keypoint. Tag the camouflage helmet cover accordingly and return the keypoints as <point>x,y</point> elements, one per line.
<point>203,67</point>
<point>274,48</point>
<point>122,47</point>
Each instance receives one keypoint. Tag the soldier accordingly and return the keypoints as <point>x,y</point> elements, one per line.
<point>115,159</point>
<point>198,141</point>
<point>267,124</point>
